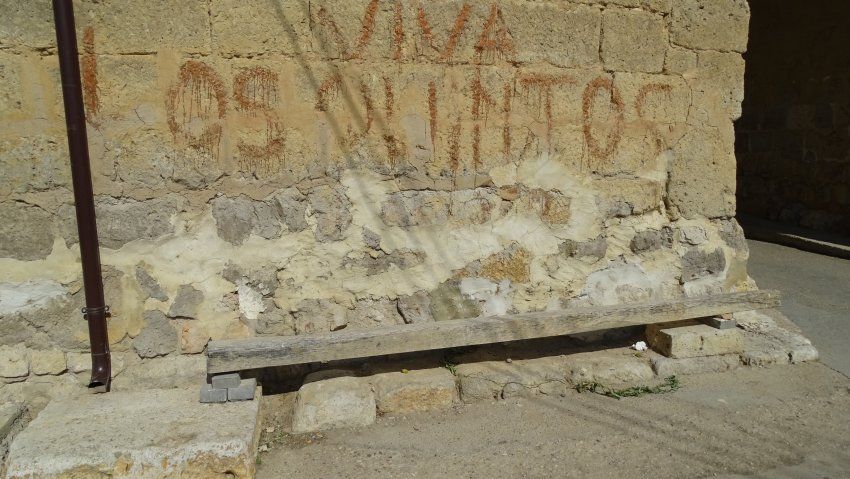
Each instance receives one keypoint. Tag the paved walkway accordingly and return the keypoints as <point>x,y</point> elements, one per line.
<point>815,295</point>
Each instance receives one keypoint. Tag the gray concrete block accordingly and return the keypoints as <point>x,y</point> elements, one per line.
<point>210,394</point>
<point>224,381</point>
<point>721,323</point>
<point>245,391</point>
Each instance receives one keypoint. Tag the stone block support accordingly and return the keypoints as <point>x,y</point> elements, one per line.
<point>694,340</point>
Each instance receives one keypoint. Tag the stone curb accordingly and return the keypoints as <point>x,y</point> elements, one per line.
<point>796,237</point>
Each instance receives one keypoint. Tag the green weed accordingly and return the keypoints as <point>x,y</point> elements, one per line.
<point>670,384</point>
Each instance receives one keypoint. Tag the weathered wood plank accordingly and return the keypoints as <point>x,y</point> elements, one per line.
<point>251,353</point>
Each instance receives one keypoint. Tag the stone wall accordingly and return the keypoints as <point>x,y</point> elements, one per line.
<point>794,136</point>
<point>276,168</point>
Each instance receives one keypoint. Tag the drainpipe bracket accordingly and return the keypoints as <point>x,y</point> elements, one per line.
<point>104,311</point>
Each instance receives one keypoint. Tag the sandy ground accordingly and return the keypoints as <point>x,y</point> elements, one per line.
<point>815,295</point>
<point>786,421</point>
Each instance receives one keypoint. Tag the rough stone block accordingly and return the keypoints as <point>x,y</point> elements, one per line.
<point>78,362</point>
<point>665,367</point>
<point>122,220</point>
<point>48,362</point>
<point>416,208</point>
<point>594,248</point>
<point>415,308</point>
<point>338,29</point>
<point>478,206</point>
<point>318,316</point>
<point>702,174</point>
<point>766,342</point>
<point>153,433</point>
<point>679,60</point>
<point>333,403</point>
<point>710,25</point>
<point>158,336</point>
<point>13,418</point>
<point>242,27</point>
<point>476,388</point>
<point>694,341</point>
<point>149,285</point>
<point>27,23</point>
<point>25,231</point>
<point>651,240</point>
<point>370,313</point>
<point>717,89</point>
<point>633,40</point>
<point>447,302</point>
<point>377,262</point>
<point>421,390</point>
<point>14,362</point>
<point>125,83</point>
<point>224,381</point>
<point>623,197</point>
<point>9,413</point>
<point>761,351</point>
<point>243,392</point>
<point>693,234</point>
<point>186,303</point>
<point>173,371</point>
<point>332,212</point>
<point>126,26</point>
<point>194,337</point>
<point>29,164</point>
<point>571,38</point>
<point>733,235</point>
<point>11,91</point>
<point>238,218</point>
<point>209,394</point>
<point>804,353</point>
<point>500,379</point>
<point>609,367</point>
<point>661,6</point>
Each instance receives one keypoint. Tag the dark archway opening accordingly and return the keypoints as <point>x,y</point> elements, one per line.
<point>793,139</point>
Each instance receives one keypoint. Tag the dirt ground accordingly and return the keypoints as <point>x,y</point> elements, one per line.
<point>786,421</point>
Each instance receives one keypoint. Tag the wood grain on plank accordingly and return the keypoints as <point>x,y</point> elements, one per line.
<point>260,352</point>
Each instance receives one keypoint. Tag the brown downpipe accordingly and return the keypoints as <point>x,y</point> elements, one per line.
<point>96,310</point>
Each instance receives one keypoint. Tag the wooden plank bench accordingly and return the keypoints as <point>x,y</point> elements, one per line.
<point>260,352</point>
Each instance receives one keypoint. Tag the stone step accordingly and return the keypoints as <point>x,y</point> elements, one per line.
<point>145,434</point>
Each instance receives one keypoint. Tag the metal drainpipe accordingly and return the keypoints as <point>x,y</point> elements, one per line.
<point>96,310</point>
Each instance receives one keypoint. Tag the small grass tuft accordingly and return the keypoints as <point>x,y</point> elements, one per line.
<point>670,384</point>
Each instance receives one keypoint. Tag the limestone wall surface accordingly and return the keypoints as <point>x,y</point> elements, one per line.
<point>794,135</point>
<point>275,168</point>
